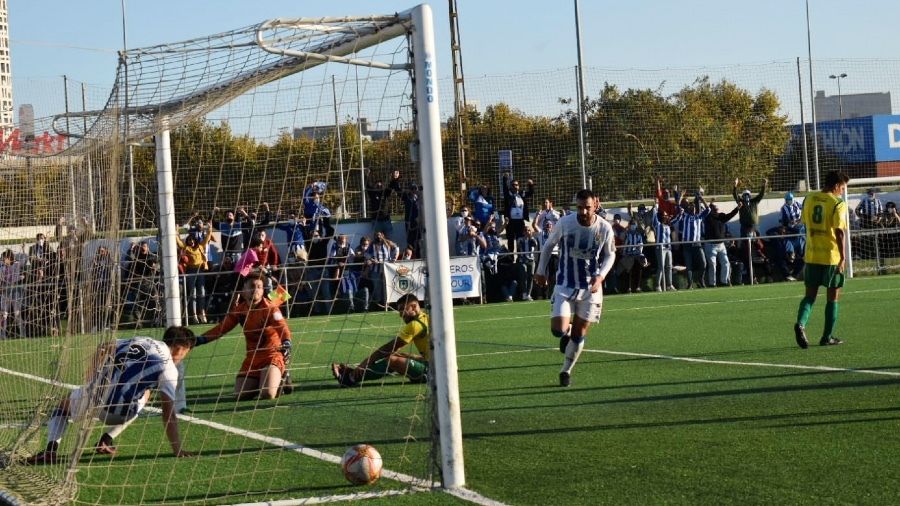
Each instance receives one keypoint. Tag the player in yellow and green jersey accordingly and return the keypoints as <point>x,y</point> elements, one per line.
<point>825,217</point>
<point>386,360</point>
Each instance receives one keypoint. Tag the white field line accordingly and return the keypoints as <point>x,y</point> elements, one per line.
<point>325,499</point>
<point>822,368</point>
<point>418,484</point>
<point>667,306</point>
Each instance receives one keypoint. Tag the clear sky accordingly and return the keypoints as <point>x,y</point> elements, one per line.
<point>50,38</point>
<point>498,36</point>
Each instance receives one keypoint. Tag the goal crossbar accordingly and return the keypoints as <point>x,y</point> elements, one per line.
<point>326,46</point>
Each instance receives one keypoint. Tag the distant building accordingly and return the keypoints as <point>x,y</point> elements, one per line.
<point>325,131</point>
<point>867,146</point>
<point>6,97</point>
<point>855,105</point>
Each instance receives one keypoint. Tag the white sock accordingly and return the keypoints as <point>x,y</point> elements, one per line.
<point>56,427</point>
<point>115,430</point>
<point>573,351</point>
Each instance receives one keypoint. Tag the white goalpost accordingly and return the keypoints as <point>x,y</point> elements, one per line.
<point>249,128</point>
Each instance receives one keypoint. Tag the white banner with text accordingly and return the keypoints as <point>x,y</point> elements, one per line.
<point>409,276</point>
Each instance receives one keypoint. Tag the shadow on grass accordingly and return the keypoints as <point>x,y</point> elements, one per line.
<point>731,393</point>
<point>699,421</point>
<point>492,393</point>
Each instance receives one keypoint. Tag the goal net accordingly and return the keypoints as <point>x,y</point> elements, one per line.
<point>286,144</point>
<point>874,225</point>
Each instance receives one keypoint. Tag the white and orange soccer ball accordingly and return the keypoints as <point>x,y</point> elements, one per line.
<point>361,464</point>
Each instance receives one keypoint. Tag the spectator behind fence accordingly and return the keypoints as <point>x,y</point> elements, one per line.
<point>516,202</point>
<point>663,230</point>
<point>690,223</point>
<point>527,247</point>
<point>715,249</point>
<point>663,203</point>
<point>611,282</point>
<point>482,204</point>
<point>553,262</point>
<point>12,292</point>
<point>790,213</point>
<point>101,281</point>
<point>748,216</point>
<point>230,231</point>
<point>353,283</point>
<point>195,267</point>
<point>315,212</point>
<point>631,259</point>
<point>380,251</point>
<point>890,218</point>
<point>141,275</point>
<point>455,224</point>
<point>869,210</point>
<point>497,264</point>
<point>295,229</point>
<point>780,247</point>
<point>221,285</point>
<point>379,201</point>
<point>548,213</point>
<point>412,210</point>
<point>644,219</point>
<point>40,253</point>
<point>469,240</point>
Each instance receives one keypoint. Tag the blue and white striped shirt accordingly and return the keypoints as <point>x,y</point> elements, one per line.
<point>870,207</point>
<point>585,252</point>
<point>790,212</point>
<point>137,365</point>
<point>691,224</point>
<point>634,243</point>
<point>663,231</point>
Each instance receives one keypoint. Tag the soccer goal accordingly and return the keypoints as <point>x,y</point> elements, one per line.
<point>294,140</point>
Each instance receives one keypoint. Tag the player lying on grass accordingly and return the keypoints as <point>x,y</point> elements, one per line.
<point>122,374</point>
<point>386,359</point>
<point>268,342</point>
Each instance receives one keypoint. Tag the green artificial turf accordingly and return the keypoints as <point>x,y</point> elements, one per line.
<point>694,397</point>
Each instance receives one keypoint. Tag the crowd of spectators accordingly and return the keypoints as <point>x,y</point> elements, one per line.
<point>675,243</point>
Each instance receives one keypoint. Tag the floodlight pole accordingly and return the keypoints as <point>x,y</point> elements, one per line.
<point>428,123</point>
<point>130,153</point>
<point>580,96</point>
<point>803,127</point>
<point>342,210</point>
<point>812,98</point>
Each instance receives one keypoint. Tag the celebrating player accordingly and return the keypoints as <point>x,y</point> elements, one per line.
<point>268,342</point>
<point>586,254</point>
<point>825,217</point>
<point>122,374</point>
<point>386,359</point>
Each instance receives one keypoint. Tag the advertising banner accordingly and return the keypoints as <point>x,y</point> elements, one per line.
<point>410,276</point>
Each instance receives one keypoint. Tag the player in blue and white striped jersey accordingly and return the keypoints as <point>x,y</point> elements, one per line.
<point>123,374</point>
<point>586,254</point>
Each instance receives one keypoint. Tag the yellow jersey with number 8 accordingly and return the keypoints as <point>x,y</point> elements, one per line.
<point>823,213</point>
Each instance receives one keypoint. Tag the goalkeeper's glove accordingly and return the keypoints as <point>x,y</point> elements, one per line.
<point>201,340</point>
<point>286,350</point>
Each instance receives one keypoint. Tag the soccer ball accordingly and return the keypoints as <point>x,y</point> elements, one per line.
<point>361,465</point>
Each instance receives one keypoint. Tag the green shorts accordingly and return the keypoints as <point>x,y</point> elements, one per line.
<point>416,370</point>
<point>817,275</point>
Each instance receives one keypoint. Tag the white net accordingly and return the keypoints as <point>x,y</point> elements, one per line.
<point>296,145</point>
<point>875,226</point>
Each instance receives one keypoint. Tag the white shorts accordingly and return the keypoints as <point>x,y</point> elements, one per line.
<point>582,303</point>
<point>78,404</point>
